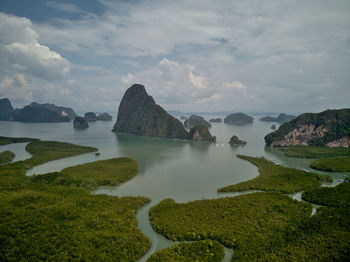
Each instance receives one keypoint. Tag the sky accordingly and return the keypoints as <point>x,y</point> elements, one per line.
<point>288,56</point>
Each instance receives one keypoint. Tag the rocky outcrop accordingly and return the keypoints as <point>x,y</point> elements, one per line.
<point>328,128</point>
<point>282,118</point>
<point>195,120</point>
<point>80,123</point>
<point>238,119</point>
<point>6,109</point>
<point>215,120</point>
<point>139,114</point>
<point>39,114</point>
<point>104,117</point>
<point>234,141</point>
<point>90,117</point>
<point>341,142</point>
<point>60,110</point>
<point>200,133</point>
<point>273,127</point>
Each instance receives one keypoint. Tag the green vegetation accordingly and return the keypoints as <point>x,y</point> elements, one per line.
<point>45,151</point>
<point>336,122</point>
<point>104,172</point>
<point>248,223</point>
<point>314,151</point>
<point>323,237</point>
<point>274,177</point>
<point>338,196</point>
<point>59,223</point>
<point>9,140</point>
<point>6,156</point>
<point>206,251</point>
<point>341,164</point>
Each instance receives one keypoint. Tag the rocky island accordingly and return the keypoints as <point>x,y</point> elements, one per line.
<point>200,133</point>
<point>235,141</point>
<point>80,123</point>
<point>238,119</point>
<point>6,110</point>
<point>329,128</point>
<point>104,117</point>
<point>39,114</point>
<point>90,117</point>
<point>282,118</point>
<point>138,114</point>
<point>195,120</point>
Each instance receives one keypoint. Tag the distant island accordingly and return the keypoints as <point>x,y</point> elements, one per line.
<point>329,128</point>
<point>195,120</point>
<point>238,119</point>
<point>215,120</point>
<point>282,118</point>
<point>35,112</point>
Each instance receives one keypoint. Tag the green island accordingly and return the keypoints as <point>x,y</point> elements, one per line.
<point>338,196</point>
<point>250,224</point>
<point>204,251</point>
<point>314,151</point>
<point>91,175</point>
<point>339,164</point>
<point>6,156</point>
<point>273,177</point>
<point>59,223</point>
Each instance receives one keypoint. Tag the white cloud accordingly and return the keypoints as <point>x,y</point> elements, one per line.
<point>26,66</point>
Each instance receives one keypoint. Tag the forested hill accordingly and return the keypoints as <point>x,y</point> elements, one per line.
<point>328,128</point>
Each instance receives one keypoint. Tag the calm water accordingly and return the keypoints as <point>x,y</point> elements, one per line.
<point>169,168</point>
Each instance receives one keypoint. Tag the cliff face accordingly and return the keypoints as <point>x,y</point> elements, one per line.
<point>238,119</point>
<point>6,109</point>
<point>195,120</point>
<point>200,133</point>
<point>138,114</point>
<point>329,128</point>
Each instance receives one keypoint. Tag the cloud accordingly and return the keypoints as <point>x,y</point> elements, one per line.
<point>66,7</point>
<point>175,85</point>
<point>24,62</point>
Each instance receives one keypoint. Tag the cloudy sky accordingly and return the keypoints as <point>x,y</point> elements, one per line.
<point>252,56</point>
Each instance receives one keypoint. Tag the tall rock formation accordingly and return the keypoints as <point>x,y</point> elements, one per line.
<point>6,109</point>
<point>139,114</point>
<point>328,128</point>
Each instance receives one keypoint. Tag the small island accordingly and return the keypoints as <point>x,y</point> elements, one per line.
<point>195,120</point>
<point>282,118</point>
<point>80,123</point>
<point>238,119</point>
<point>234,141</point>
<point>215,120</point>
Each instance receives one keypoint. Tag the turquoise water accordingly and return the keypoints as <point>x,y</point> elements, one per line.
<point>169,168</point>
